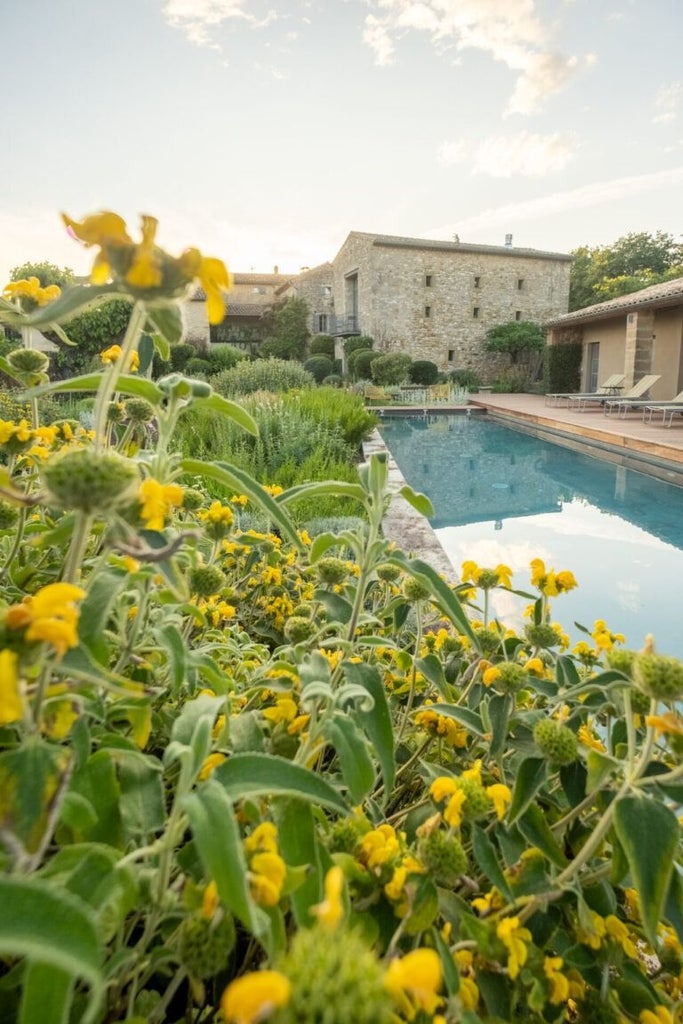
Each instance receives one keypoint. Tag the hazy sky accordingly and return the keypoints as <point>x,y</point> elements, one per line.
<point>263,131</point>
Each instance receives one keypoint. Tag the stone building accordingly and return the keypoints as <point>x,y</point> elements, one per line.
<point>634,334</point>
<point>250,298</point>
<point>432,300</point>
<point>437,300</point>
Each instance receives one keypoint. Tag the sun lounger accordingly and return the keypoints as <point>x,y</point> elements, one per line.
<point>639,389</point>
<point>372,393</point>
<point>608,387</point>
<point>667,409</point>
<point>623,405</point>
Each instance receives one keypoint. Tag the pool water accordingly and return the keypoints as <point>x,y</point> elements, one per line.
<point>505,495</point>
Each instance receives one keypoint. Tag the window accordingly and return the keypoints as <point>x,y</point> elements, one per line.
<point>428,280</point>
<point>520,283</point>
<point>258,290</point>
<point>322,323</point>
<point>475,313</point>
<point>428,311</point>
<point>518,314</point>
<point>477,282</point>
<point>326,290</point>
<point>451,355</point>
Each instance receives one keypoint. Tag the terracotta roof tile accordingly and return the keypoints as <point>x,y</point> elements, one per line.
<point>665,294</point>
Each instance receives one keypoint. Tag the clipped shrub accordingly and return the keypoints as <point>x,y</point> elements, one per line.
<point>562,367</point>
<point>335,380</point>
<point>322,345</point>
<point>320,367</point>
<point>465,379</point>
<point>337,410</point>
<point>391,368</point>
<point>359,363</point>
<point>223,357</point>
<point>512,381</point>
<point>424,371</point>
<point>197,365</point>
<point>353,344</point>
<point>262,375</point>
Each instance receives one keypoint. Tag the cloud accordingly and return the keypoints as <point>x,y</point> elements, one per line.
<point>667,102</point>
<point>504,156</point>
<point>508,30</point>
<point>596,194</point>
<point>196,18</point>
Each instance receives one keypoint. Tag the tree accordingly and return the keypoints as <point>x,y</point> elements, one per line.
<point>47,274</point>
<point>517,339</point>
<point>290,331</point>
<point>635,261</point>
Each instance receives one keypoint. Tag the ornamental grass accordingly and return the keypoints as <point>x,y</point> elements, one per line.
<point>252,776</point>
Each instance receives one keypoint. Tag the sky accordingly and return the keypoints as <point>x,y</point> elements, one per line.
<point>263,131</point>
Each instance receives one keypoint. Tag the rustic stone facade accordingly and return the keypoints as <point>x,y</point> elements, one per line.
<point>437,300</point>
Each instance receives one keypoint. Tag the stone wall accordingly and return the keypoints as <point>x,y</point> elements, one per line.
<point>196,323</point>
<point>315,287</point>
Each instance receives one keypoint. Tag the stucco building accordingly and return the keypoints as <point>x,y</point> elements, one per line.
<point>634,334</point>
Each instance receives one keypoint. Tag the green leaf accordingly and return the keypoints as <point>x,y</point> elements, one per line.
<point>499,708</point>
<point>420,502</point>
<point>336,606</point>
<point>649,833</point>
<point>531,775</point>
<point>237,480</point>
<point>47,994</point>
<point>600,766</point>
<point>9,370</point>
<point>487,859</point>
<point>186,722</point>
<point>161,347</point>
<point>219,845</point>
<point>322,543</point>
<point>171,639</point>
<point>231,410</point>
<point>168,321</point>
<point>430,667</point>
<point>102,594</point>
<point>51,928</point>
<point>249,775</point>
<point>140,387</point>
<point>534,827</point>
<point>673,910</point>
<point>29,777</point>
<point>441,593</point>
<point>142,797</point>
<point>376,722</point>
<point>322,489</point>
<point>470,719</point>
<point>145,353</point>
<point>75,297</point>
<point>97,782</point>
<point>356,767</point>
<point>298,846</point>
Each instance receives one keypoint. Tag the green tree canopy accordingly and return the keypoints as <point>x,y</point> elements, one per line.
<point>47,274</point>
<point>517,339</point>
<point>635,261</point>
<point>290,331</point>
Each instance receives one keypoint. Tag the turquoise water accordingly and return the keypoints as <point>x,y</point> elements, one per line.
<point>503,495</point>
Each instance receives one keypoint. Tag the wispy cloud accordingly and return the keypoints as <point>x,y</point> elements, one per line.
<point>199,18</point>
<point>509,30</point>
<point>597,194</point>
<point>667,102</point>
<point>504,156</point>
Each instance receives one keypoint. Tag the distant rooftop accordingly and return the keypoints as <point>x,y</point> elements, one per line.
<point>669,293</point>
<point>399,241</point>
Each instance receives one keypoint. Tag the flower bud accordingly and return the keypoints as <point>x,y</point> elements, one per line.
<point>204,945</point>
<point>659,676</point>
<point>89,481</point>
<point>556,741</point>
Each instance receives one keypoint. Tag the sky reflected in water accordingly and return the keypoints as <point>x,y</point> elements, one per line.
<point>501,495</point>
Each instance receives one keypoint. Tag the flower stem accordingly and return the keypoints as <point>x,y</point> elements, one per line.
<point>114,370</point>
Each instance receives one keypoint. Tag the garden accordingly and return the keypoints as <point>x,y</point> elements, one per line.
<point>257,764</point>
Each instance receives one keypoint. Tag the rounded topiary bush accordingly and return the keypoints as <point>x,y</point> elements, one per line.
<point>358,342</point>
<point>359,363</point>
<point>322,345</point>
<point>334,380</point>
<point>224,357</point>
<point>424,371</point>
<point>391,368</point>
<point>465,379</point>
<point>319,366</point>
<point>198,365</point>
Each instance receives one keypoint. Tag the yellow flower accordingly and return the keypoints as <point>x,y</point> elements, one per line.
<point>157,500</point>
<point>504,573</point>
<point>210,900</point>
<point>50,615</point>
<point>559,985</point>
<point>514,936</point>
<point>417,975</point>
<point>588,738</point>
<point>474,772</point>
<point>442,787</point>
<point>565,580</point>
<point>660,1015</point>
<point>592,933</point>
<point>669,723</point>
<point>111,354</point>
<point>379,846</point>
<point>452,814</point>
<point>284,711</point>
<point>214,278</point>
<point>267,873</point>
<point>500,797</point>
<point>618,931</point>
<point>262,839</point>
<point>253,997</point>
<point>535,666</point>
<point>490,675</point>
<point>331,910</point>
<point>470,572</point>
<point>211,762</point>
<point>11,707</point>
<point>489,902</point>
<point>30,288</point>
<point>145,270</point>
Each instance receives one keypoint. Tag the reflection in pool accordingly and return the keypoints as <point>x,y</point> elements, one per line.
<point>504,495</point>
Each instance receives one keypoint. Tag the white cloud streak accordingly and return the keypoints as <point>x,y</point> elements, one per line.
<point>666,103</point>
<point>597,194</point>
<point>504,156</point>
<point>508,30</point>
<point>197,18</point>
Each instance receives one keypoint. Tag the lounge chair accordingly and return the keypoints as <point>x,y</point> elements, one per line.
<point>439,393</point>
<point>608,387</point>
<point>670,409</point>
<point>371,393</point>
<point>623,405</point>
<point>637,391</point>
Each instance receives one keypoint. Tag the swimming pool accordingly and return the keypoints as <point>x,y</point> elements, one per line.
<point>507,495</point>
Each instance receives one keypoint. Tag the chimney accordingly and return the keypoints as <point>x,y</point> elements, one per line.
<point>276,269</point>
<point>508,241</point>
